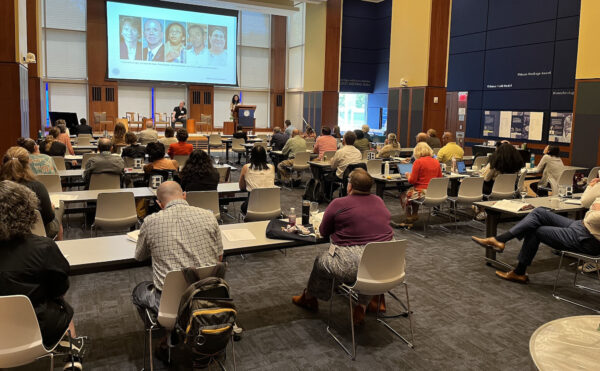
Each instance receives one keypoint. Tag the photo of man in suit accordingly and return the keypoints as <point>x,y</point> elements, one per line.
<point>153,39</point>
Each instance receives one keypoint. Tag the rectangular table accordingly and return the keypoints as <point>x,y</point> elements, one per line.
<point>494,214</point>
<point>117,252</point>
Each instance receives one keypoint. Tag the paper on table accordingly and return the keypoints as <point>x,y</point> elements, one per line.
<point>56,198</point>
<point>509,205</point>
<point>238,235</point>
<point>573,202</point>
<point>133,236</point>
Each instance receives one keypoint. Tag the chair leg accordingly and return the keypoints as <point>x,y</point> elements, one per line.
<point>406,313</point>
<point>51,362</point>
<point>329,330</point>
<point>557,296</point>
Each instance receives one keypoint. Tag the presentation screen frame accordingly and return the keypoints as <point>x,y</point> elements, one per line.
<point>180,7</point>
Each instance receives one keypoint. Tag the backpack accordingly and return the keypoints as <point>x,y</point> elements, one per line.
<point>314,191</point>
<point>206,316</point>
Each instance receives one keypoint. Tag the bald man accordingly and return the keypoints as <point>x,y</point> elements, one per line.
<point>179,114</point>
<point>451,149</point>
<point>105,163</point>
<point>178,236</point>
<point>294,145</point>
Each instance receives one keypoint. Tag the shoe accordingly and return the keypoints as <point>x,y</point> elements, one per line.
<point>589,267</point>
<point>309,304</point>
<point>481,216</point>
<point>73,365</point>
<point>490,242</point>
<point>78,346</point>
<point>358,315</point>
<point>512,276</point>
<point>372,307</point>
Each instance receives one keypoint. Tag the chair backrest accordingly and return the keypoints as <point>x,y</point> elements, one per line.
<point>481,161</point>
<point>105,181</point>
<point>236,144</point>
<point>374,166</point>
<point>59,161</point>
<point>350,168</point>
<point>310,145</point>
<point>301,159</point>
<point>130,116</point>
<point>50,181</point>
<point>504,186</point>
<point>261,144</point>
<point>437,191</point>
<point>593,173</point>
<point>181,159</point>
<point>381,268</point>
<point>329,154</point>
<point>207,119</point>
<point>38,228</point>
<point>20,335</point>
<point>566,178</point>
<point>471,190</point>
<point>262,137</point>
<point>263,204</point>
<point>129,161</point>
<point>99,116</point>
<point>208,200</point>
<point>86,157</point>
<point>84,140</point>
<point>224,173</point>
<point>175,285</point>
<point>115,205</point>
<point>215,140</point>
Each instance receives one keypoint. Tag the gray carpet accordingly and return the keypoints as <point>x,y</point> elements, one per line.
<point>465,318</point>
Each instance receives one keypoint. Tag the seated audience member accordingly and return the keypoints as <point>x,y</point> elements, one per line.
<point>506,160</point>
<point>198,173</point>
<point>169,137</point>
<point>278,139</point>
<point>289,128</point>
<point>83,127</point>
<point>361,143</point>
<point>344,223</point>
<point>365,129</point>
<point>424,169</point>
<point>34,266</point>
<point>52,147</point>
<point>59,122</point>
<point>15,167</point>
<point>391,146</point>
<point>432,139</point>
<point>556,231</point>
<point>551,167</point>
<point>105,163</point>
<point>39,163</point>
<point>148,136</point>
<point>64,137</point>
<point>240,134</point>
<point>133,149</point>
<point>325,142</point>
<point>451,149</point>
<point>309,134</point>
<point>345,156</point>
<point>294,145</point>
<point>179,236</point>
<point>336,132</point>
<point>181,147</point>
<point>422,137</point>
<point>256,174</point>
<point>157,159</point>
<point>118,139</point>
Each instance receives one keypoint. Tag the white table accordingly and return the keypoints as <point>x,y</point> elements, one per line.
<point>570,343</point>
<point>92,195</point>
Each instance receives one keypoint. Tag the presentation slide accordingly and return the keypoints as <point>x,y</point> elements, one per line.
<point>560,127</point>
<point>161,44</point>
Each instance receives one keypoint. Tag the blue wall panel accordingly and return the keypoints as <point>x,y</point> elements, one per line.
<point>521,35</point>
<point>507,13</point>
<point>468,43</point>
<point>465,71</point>
<point>468,16</point>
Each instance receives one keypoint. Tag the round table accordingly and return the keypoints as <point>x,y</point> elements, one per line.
<point>570,343</point>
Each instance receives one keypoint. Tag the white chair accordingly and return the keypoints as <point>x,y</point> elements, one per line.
<point>329,155</point>
<point>263,137</point>
<point>300,165</point>
<point>593,173</point>
<point>214,141</point>
<point>224,173</point>
<point>50,181</point>
<point>38,228</point>
<point>237,147</point>
<point>381,268</point>
<point>580,258</point>
<point>20,335</point>
<point>105,181</point>
<point>208,200</point>
<point>481,161</point>
<point>437,195</point>
<point>566,178</point>
<point>504,187</point>
<point>115,211</point>
<point>83,140</point>
<point>374,167</point>
<point>521,181</point>
<point>263,204</point>
<point>59,161</point>
<point>181,159</point>
<point>469,191</point>
<point>261,144</point>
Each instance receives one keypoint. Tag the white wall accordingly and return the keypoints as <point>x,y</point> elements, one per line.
<point>68,98</point>
<point>134,98</point>
<point>293,108</point>
<point>166,98</point>
<point>66,53</point>
<point>222,101</point>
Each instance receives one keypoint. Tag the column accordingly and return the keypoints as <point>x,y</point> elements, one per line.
<point>34,69</point>
<point>278,65</point>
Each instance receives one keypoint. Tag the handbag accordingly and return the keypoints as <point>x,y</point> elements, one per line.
<point>275,231</point>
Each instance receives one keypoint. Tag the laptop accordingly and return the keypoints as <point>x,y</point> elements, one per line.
<point>404,168</point>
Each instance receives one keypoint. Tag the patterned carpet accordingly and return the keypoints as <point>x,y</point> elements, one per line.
<point>465,318</point>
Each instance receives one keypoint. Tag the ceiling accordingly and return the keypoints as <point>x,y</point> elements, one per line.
<point>275,7</point>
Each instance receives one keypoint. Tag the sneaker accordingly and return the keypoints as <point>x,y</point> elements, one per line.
<point>77,348</point>
<point>589,267</point>
<point>481,216</point>
<point>73,365</point>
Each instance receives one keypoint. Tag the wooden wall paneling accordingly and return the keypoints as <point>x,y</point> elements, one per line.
<point>7,32</point>
<point>435,113</point>
<point>278,66</point>
<point>438,42</point>
<point>10,104</point>
<point>201,102</point>
<point>33,42</point>
<point>329,108</point>
<point>331,83</point>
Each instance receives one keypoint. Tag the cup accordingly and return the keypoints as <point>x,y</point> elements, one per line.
<point>554,202</point>
<point>155,181</point>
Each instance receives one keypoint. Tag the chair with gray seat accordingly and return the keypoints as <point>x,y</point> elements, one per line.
<point>115,211</point>
<point>374,167</point>
<point>263,204</point>
<point>59,161</point>
<point>503,188</point>
<point>105,181</point>
<point>469,191</point>
<point>436,195</point>
<point>208,200</point>
<point>50,181</point>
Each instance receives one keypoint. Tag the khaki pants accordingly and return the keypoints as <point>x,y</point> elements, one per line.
<point>282,166</point>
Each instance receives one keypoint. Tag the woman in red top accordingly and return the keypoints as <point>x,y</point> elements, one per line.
<point>424,169</point>
<point>181,147</point>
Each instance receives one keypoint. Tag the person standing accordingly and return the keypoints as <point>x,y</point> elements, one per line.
<point>289,128</point>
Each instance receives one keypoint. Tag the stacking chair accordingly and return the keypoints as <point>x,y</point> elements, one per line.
<point>504,187</point>
<point>521,182</point>
<point>224,173</point>
<point>374,167</point>
<point>86,157</point>
<point>50,181</point>
<point>593,173</point>
<point>20,335</point>
<point>115,211</point>
<point>214,141</point>
<point>38,228</point>
<point>84,140</point>
<point>263,204</point>
<point>237,147</point>
<point>565,180</point>
<point>437,194</point>
<point>261,144</point>
<point>381,269</point>
<point>470,190</point>
<point>181,159</point>
<point>481,161</point>
<point>208,200</point>
<point>300,165</point>
<point>105,181</point>
<point>580,257</point>
<point>310,145</point>
<point>59,161</point>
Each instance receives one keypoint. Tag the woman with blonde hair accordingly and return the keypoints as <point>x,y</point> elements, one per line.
<point>118,139</point>
<point>424,169</point>
<point>390,146</point>
<point>15,167</point>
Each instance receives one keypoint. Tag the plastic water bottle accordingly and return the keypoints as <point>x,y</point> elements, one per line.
<point>292,217</point>
<point>386,168</point>
<point>532,161</point>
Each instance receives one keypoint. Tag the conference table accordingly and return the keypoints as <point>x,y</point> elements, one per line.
<point>495,213</point>
<point>117,252</point>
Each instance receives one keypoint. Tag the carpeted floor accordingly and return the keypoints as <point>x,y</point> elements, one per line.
<point>465,318</point>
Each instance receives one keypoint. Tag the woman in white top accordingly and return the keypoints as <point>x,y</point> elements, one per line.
<point>551,167</point>
<point>256,174</point>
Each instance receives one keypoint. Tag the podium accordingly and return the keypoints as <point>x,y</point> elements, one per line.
<point>243,115</point>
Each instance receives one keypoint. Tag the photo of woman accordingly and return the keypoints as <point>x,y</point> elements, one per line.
<point>130,44</point>
<point>217,45</point>
<point>175,43</point>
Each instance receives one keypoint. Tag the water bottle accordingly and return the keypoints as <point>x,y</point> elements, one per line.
<point>305,212</point>
<point>170,178</point>
<point>453,165</point>
<point>292,217</point>
<point>532,161</point>
<point>386,168</point>
<point>40,135</point>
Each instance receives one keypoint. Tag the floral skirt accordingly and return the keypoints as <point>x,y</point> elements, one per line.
<point>410,195</point>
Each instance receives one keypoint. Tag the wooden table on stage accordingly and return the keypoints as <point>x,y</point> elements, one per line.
<point>190,125</point>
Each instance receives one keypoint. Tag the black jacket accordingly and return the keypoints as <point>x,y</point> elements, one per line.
<point>84,129</point>
<point>134,151</point>
<point>278,140</point>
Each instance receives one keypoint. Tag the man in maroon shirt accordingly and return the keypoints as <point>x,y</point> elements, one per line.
<point>351,222</point>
